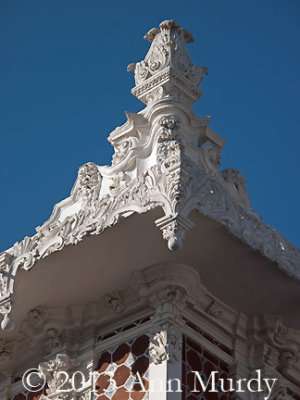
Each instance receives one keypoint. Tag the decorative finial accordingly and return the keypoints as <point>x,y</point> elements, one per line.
<point>167,70</point>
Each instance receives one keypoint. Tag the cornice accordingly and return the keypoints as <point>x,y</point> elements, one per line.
<point>164,157</point>
<point>164,298</point>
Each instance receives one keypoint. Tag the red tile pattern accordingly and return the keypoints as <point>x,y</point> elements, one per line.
<point>221,346</point>
<point>123,364</point>
<point>196,358</point>
<point>29,395</point>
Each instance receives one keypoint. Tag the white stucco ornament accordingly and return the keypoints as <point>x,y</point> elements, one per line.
<point>165,156</point>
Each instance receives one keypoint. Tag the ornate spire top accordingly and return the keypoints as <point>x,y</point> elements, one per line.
<point>167,70</point>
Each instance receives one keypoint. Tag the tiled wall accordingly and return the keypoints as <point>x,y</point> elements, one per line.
<point>28,396</point>
<point>195,358</point>
<point>123,364</point>
<point>125,361</point>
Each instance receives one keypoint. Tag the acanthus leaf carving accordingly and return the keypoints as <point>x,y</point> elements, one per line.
<point>5,309</point>
<point>166,338</point>
<point>88,184</point>
<point>25,253</point>
<point>165,157</point>
<point>53,372</point>
<point>5,263</point>
<point>166,344</point>
<point>168,53</point>
<point>158,347</point>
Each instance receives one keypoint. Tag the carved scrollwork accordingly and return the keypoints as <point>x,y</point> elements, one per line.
<point>173,230</point>
<point>5,309</point>
<point>170,122</point>
<point>154,95</point>
<point>271,356</point>
<point>168,51</point>
<point>166,345</point>
<point>114,301</point>
<point>53,371</point>
<point>163,158</point>
<point>174,184</point>
<point>121,150</point>
<point>237,186</point>
<point>281,347</point>
<point>169,147</point>
<point>210,159</point>
<point>158,347</point>
<point>25,253</point>
<point>281,336</point>
<point>5,263</point>
<point>151,34</point>
<point>88,183</point>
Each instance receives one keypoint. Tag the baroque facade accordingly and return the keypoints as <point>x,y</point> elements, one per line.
<point>155,272</point>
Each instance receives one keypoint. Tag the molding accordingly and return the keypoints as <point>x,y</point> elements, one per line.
<point>167,66</point>
<point>165,157</point>
<point>172,295</point>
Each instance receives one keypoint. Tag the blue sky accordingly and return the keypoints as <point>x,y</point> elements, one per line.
<point>64,87</point>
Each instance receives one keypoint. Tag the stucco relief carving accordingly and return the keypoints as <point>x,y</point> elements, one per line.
<point>114,301</point>
<point>271,356</point>
<point>153,188</point>
<point>287,347</point>
<point>281,336</point>
<point>5,309</point>
<point>165,157</point>
<point>168,51</point>
<point>25,253</point>
<point>215,310</point>
<point>5,262</point>
<point>167,293</point>
<point>166,340</point>
<point>276,346</point>
<point>210,159</point>
<point>168,288</point>
<point>280,391</point>
<point>166,344</point>
<point>158,347</point>
<point>237,186</point>
<point>121,151</point>
<point>169,303</point>
<point>36,317</point>
<point>53,371</point>
<point>88,184</point>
